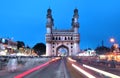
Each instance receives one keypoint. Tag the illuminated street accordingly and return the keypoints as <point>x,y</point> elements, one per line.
<point>60,68</point>
<point>54,70</point>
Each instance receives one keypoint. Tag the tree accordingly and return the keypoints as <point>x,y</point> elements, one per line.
<point>40,48</point>
<point>20,44</point>
<point>102,50</point>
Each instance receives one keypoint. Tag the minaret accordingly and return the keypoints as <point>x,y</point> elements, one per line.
<point>49,26</point>
<point>75,22</point>
<point>76,35</point>
<point>49,21</point>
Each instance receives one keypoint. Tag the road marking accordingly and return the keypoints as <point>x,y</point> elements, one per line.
<point>102,72</point>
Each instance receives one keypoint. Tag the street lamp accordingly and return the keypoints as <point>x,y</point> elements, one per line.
<point>115,48</point>
<point>112,40</point>
<point>115,45</point>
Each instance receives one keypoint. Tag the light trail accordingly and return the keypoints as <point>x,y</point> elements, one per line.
<point>83,71</point>
<point>31,70</point>
<point>35,68</point>
<point>71,59</point>
<point>102,72</point>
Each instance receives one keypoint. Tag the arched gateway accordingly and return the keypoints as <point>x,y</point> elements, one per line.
<point>62,42</point>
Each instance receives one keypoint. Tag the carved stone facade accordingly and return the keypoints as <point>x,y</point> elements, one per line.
<point>56,39</point>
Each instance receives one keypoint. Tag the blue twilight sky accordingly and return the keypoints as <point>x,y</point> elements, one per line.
<point>25,20</point>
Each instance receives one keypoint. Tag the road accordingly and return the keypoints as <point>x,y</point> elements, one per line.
<point>61,68</point>
<point>54,70</point>
<point>99,70</point>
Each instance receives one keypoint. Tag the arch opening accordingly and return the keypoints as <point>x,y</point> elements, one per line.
<point>62,51</point>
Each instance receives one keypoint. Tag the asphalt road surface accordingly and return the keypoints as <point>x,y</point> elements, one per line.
<point>54,70</point>
<point>58,69</point>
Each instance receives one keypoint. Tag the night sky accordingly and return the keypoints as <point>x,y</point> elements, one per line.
<point>25,20</point>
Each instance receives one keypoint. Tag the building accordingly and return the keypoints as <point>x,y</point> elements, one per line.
<point>6,45</point>
<point>88,53</point>
<point>60,42</point>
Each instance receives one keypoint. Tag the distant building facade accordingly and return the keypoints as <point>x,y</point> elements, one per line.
<point>6,43</point>
<point>67,39</point>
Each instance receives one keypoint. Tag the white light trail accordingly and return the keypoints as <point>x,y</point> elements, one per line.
<point>102,72</point>
<point>71,59</point>
<point>83,71</point>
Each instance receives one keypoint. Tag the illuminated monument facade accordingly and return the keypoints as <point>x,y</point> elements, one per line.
<point>64,42</point>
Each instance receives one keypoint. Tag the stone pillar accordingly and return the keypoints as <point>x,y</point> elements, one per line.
<point>48,49</point>
<point>76,48</point>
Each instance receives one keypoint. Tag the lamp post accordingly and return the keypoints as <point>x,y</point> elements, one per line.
<point>115,45</point>
<point>112,40</point>
<point>115,48</point>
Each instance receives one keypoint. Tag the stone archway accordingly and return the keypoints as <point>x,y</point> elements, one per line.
<point>62,51</point>
<point>65,39</point>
